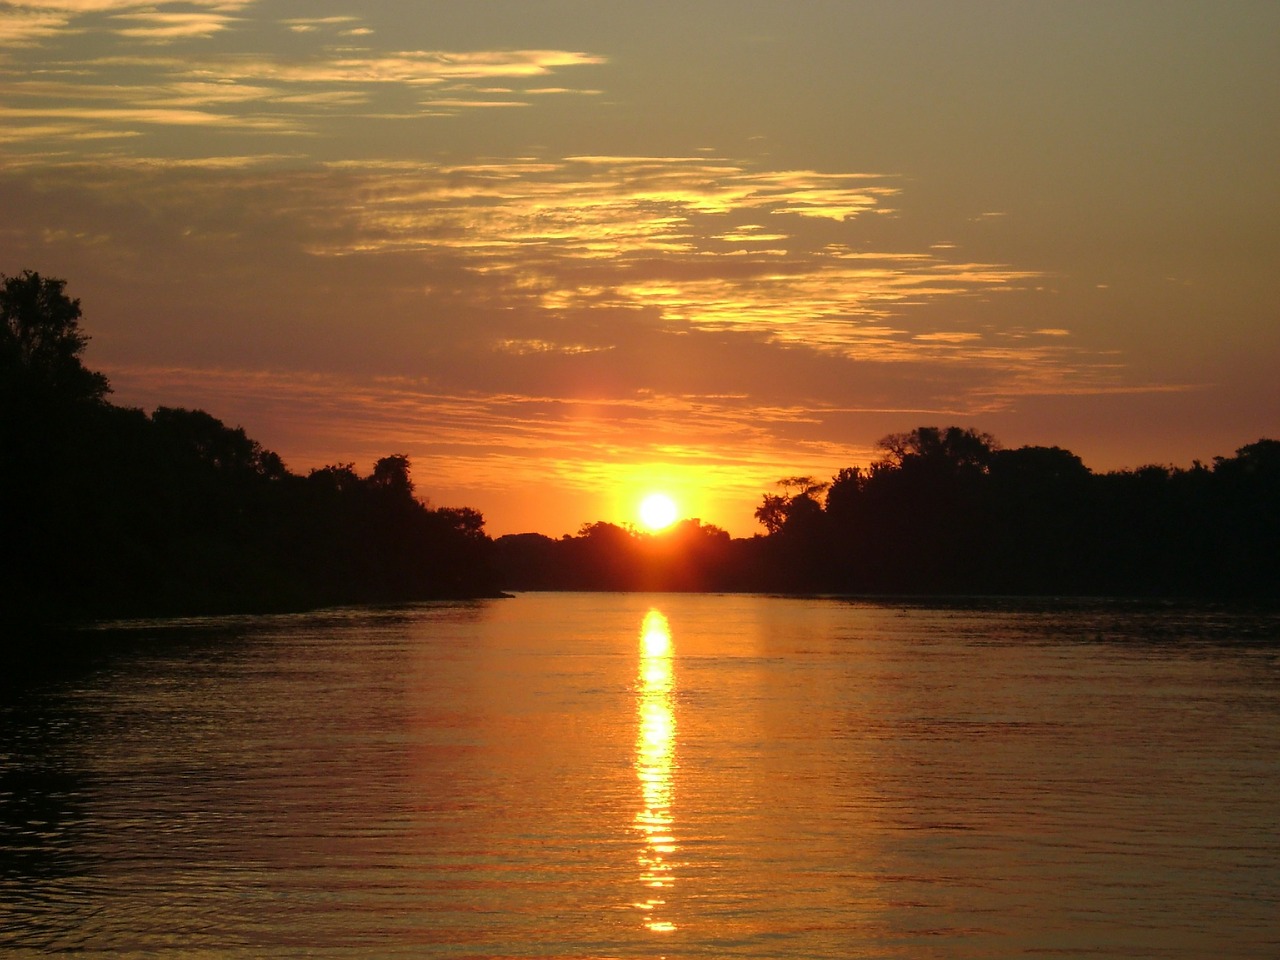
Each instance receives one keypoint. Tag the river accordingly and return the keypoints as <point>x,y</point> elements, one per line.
<point>665,775</point>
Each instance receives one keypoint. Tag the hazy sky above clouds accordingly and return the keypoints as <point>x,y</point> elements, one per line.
<point>561,253</point>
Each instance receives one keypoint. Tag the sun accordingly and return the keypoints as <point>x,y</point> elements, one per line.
<point>658,511</point>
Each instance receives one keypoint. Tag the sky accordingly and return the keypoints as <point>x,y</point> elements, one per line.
<point>564,254</point>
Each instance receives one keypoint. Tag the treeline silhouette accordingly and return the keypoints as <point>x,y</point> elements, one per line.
<point>947,511</point>
<point>109,511</point>
<point>690,556</point>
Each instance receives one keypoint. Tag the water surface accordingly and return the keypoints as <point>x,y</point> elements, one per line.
<point>606,775</point>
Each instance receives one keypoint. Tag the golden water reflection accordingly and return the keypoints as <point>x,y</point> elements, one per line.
<point>655,762</point>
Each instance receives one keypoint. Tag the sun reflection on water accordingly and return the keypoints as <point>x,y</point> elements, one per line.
<point>655,759</point>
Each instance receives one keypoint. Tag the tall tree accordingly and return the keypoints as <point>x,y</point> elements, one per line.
<point>41,342</point>
<point>951,449</point>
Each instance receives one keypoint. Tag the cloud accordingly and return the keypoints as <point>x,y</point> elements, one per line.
<point>675,236</point>
<point>410,67</point>
<point>524,347</point>
<point>312,24</point>
<point>20,26</point>
<point>157,25</point>
<point>82,7</point>
<point>751,233</point>
<point>27,21</point>
<point>664,243</point>
<point>245,78</point>
<point>72,7</point>
<point>170,116</point>
<point>586,208</point>
<point>947,337</point>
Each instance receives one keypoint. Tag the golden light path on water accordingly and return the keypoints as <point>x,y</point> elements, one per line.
<point>655,762</point>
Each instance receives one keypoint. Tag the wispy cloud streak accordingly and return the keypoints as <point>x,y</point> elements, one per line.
<point>332,65</point>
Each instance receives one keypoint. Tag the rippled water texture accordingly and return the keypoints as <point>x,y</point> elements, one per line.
<point>646,776</point>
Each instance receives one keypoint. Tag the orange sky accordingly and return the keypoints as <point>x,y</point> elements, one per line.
<point>562,253</point>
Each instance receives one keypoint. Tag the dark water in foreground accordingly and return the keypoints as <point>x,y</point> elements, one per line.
<point>569,775</point>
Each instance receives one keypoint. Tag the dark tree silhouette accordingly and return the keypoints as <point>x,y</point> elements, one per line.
<point>391,474</point>
<point>950,511</point>
<point>799,499</point>
<point>106,511</point>
<point>41,343</point>
<point>689,555</point>
<point>953,449</point>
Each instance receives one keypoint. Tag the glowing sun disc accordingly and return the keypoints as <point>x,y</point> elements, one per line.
<point>657,511</point>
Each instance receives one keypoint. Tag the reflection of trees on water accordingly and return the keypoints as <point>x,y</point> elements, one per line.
<point>655,761</point>
<point>44,845</point>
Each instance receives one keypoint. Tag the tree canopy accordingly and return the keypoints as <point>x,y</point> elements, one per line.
<point>951,511</point>
<point>109,511</point>
<point>41,342</point>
